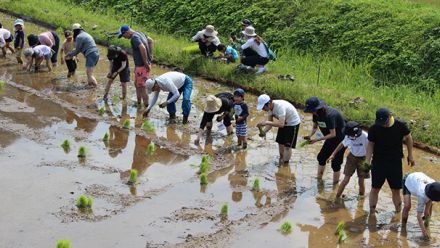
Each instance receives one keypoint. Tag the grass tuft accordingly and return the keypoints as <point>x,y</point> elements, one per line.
<point>133,176</point>
<point>256,185</point>
<point>84,202</point>
<point>147,126</point>
<point>82,152</point>
<point>64,244</point>
<point>151,149</point>
<point>286,227</point>
<point>106,137</point>
<point>203,179</point>
<point>126,124</point>
<point>224,211</point>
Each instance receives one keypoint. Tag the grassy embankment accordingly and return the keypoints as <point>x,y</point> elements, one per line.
<point>340,83</point>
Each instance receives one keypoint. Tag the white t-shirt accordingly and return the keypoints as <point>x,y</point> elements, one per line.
<point>260,49</point>
<point>4,34</point>
<point>42,51</point>
<point>211,39</point>
<point>171,82</point>
<point>282,108</point>
<point>416,183</point>
<point>358,146</point>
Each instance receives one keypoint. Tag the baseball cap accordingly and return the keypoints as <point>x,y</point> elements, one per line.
<point>432,191</point>
<point>239,92</point>
<point>149,85</point>
<point>313,104</point>
<point>382,116</point>
<point>262,100</point>
<point>124,28</point>
<point>76,26</point>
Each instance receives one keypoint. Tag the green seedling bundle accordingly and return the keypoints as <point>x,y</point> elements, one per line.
<point>106,137</point>
<point>84,202</point>
<point>2,84</point>
<point>304,143</point>
<point>133,176</point>
<point>366,166</point>
<point>205,166</point>
<point>126,124</point>
<point>101,111</point>
<point>151,149</point>
<point>82,152</point>
<point>203,179</point>
<point>147,126</point>
<point>342,236</point>
<point>256,184</point>
<point>64,244</point>
<point>286,227</point>
<point>224,211</point>
<point>261,132</point>
<point>66,145</point>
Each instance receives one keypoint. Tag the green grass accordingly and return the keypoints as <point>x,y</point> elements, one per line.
<point>343,85</point>
<point>224,211</point>
<point>82,152</point>
<point>84,202</point>
<point>64,244</point>
<point>133,176</point>
<point>203,179</point>
<point>286,227</point>
<point>151,148</point>
<point>256,184</point>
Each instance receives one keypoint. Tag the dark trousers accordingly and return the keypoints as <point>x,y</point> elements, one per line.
<point>251,58</point>
<point>71,65</point>
<point>207,50</point>
<point>55,47</point>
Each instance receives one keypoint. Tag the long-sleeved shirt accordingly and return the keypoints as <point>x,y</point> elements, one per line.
<point>84,44</point>
<point>208,40</point>
<point>4,35</point>
<point>260,49</point>
<point>171,82</point>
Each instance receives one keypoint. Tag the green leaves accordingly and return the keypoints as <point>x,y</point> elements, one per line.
<point>84,202</point>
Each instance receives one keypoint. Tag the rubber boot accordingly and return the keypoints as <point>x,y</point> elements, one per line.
<point>172,116</point>
<point>185,120</point>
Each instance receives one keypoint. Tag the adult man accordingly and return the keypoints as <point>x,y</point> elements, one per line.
<point>142,46</point>
<point>288,121</point>
<point>332,125</point>
<point>208,40</point>
<point>220,104</point>
<point>385,146</point>
<point>427,190</point>
<point>175,83</point>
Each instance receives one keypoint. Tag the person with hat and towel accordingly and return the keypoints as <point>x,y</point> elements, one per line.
<point>427,191</point>
<point>254,51</point>
<point>208,40</point>
<point>176,83</point>
<point>385,153</point>
<point>221,104</point>
<point>287,121</point>
<point>5,39</point>
<point>332,125</point>
<point>118,62</point>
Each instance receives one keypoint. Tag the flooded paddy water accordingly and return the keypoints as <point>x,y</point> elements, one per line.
<point>168,207</point>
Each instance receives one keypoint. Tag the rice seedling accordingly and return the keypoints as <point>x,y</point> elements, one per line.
<point>342,236</point>
<point>106,137</point>
<point>147,126</point>
<point>224,211</point>
<point>66,146</point>
<point>203,179</point>
<point>101,111</point>
<point>151,149</point>
<point>133,176</point>
<point>286,227</point>
<point>204,167</point>
<point>63,244</point>
<point>261,132</point>
<point>205,159</point>
<point>304,143</point>
<point>82,152</point>
<point>339,227</point>
<point>115,99</point>
<point>427,221</point>
<point>256,185</point>
<point>84,202</point>
<point>365,166</point>
<point>126,124</point>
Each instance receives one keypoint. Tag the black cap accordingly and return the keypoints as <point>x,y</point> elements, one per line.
<point>382,116</point>
<point>246,22</point>
<point>353,128</point>
<point>432,191</point>
<point>313,104</point>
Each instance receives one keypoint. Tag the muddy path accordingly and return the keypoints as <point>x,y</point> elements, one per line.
<point>168,207</point>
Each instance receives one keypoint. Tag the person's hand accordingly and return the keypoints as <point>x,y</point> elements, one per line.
<point>219,118</point>
<point>68,58</point>
<point>163,105</point>
<point>109,75</point>
<point>307,137</point>
<point>330,158</point>
<point>114,75</point>
<point>77,59</point>
<point>261,124</point>
<point>146,112</point>
<point>312,141</point>
<point>410,160</point>
<point>148,67</point>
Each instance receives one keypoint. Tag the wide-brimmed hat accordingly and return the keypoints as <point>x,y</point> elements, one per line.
<point>19,22</point>
<point>76,26</point>
<point>210,31</point>
<point>313,104</point>
<point>382,116</point>
<point>213,104</point>
<point>249,31</point>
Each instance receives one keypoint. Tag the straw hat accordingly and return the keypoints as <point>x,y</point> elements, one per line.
<point>213,104</point>
<point>249,31</point>
<point>210,31</point>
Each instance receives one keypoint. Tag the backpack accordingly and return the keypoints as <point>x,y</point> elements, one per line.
<point>270,54</point>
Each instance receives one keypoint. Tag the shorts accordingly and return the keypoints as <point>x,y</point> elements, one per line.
<point>353,164</point>
<point>71,65</point>
<point>92,59</point>
<point>386,169</point>
<point>241,130</point>
<point>124,75</point>
<point>140,76</point>
<point>327,150</point>
<point>227,119</point>
<point>8,40</point>
<point>287,136</point>
<point>405,189</point>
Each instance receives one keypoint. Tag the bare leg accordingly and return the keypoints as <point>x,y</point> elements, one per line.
<point>229,129</point>
<point>342,186</point>
<point>374,195</point>
<point>281,151</point>
<point>107,89</point>
<point>336,176</point>
<point>397,199</point>
<point>406,208</point>
<point>287,154</point>
<point>321,169</point>
<point>124,90</point>
<point>90,78</point>
<point>361,183</point>
<point>144,95</point>
<point>139,95</point>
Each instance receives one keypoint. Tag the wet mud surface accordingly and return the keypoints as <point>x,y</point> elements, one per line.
<point>167,207</point>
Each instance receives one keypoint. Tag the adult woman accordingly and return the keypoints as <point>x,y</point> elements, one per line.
<point>208,40</point>
<point>254,50</point>
<point>50,39</point>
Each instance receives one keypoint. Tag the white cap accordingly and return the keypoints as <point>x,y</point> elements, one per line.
<point>149,85</point>
<point>76,26</point>
<point>262,100</point>
<point>19,22</point>
<point>28,52</point>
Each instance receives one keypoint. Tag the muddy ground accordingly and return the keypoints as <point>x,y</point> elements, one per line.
<point>39,181</point>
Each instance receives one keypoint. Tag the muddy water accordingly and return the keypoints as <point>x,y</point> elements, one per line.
<point>167,207</point>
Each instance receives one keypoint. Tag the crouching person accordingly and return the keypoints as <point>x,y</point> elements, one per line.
<point>118,61</point>
<point>208,40</point>
<point>38,54</point>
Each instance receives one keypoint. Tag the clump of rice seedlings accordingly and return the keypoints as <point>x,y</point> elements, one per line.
<point>151,149</point>
<point>203,179</point>
<point>66,145</point>
<point>286,227</point>
<point>256,185</point>
<point>339,227</point>
<point>101,111</point>
<point>106,136</point>
<point>204,165</point>
<point>224,211</point>
<point>133,176</point>
<point>63,244</point>
<point>365,166</point>
<point>82,152</point>
<point>84,202</point>
<point>115,99</point>
<point>304,143</point>
<point>147,126</point>
<point>126,124</point>
<point>261,132</point>
<point>205,159</point>
<point>342,236</point>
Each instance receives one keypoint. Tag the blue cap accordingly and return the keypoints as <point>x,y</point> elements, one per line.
<point>124,28</point>
<point>313,104</point>
<point>382,116</point>
<point>239,92</point>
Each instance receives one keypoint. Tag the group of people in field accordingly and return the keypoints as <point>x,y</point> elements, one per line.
<point>378,152</point>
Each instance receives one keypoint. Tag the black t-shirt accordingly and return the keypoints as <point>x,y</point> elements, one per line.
<point>117,63</point>
<point>388,140</point>
<point>227,105</point>
<point>241,110</point>
<point>332,120</point>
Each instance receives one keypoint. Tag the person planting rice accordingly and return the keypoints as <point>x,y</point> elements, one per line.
<point>241,113</point>
<point>118,60</point>
<point>175,83</point>
<point>254,52</point>
<point>66,48</point>
<point>142,46</point>
<point>85,44</point>
<point>19,39</point>
<point>385,147</point>
<point>332,124</point>
<point>5,40</point>
<point>288,121</point>
<point>427,191</point>
<point>228,53</point>
<point>50,39</point>
<point>37,53</point>
<point>221,104</point>
<point>208,40</point>
<point>356,140</point>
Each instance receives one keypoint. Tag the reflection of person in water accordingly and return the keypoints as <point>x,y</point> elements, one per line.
<point>118,139</point>
<point>285,180</point>
<point>140,158</point>
<point>238,177</point>
<point>181,141</point>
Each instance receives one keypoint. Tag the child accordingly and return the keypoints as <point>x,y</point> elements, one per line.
<point>356,140</point>
<point>67,47</point>
<point>241,114</point>
<point>19,39</point>
<point>234,42</point>
<point>5,39</point>
<point>427,190</point>
<point>39,53</point>
<point>118,65</point>
<point>228,53</point>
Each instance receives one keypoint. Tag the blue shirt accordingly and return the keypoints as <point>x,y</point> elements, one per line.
<point>19,39</point>
<point>231,51</point>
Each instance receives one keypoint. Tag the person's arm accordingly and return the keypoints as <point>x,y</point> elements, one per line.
<point>143,51</point>
<point>409,145</point>
<point>2,42</point>
<point>244,113</point>
<point>153,100</point>
<point>331,135</point>
<point>338,148</point>
<point>61,54</point>
<point>150,47</point>
<point>172,89</point>
<point>29,63</point>
<point>196,37</point>
<point>422,225</point>
<point>247,44</point>
<point>78,48</point>
<point>207,117</point>
<point>369,154</point>
<point>123,65</point>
